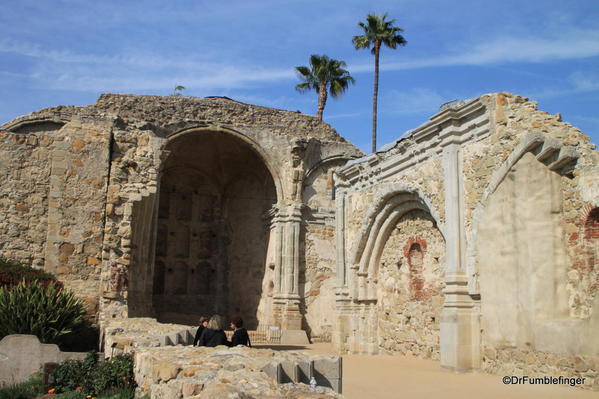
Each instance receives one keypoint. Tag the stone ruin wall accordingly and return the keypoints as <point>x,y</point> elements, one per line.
<point>54,184</point>
<point>410,286</point>
<point>404,323</point>
<point>98,169</point>
<point>72,193</point>
<point>318,279</point>
<point>513,122</point>
<point>575,196</point>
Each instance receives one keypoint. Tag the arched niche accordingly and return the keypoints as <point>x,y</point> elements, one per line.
<point>215,190</point>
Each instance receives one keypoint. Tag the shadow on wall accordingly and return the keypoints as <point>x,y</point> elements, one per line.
<point>212,238</point>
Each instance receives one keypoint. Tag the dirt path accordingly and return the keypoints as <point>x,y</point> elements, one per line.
<point>383,377</point>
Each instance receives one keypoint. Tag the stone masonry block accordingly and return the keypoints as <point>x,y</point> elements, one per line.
<point>305,371</point>
<point>290,371</point>
<point>329,366</point>
<point>328,372</point>
<point>175,338</point>
<point>274,371</point>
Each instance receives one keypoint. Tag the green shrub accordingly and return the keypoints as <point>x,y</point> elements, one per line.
<point>13,272</point>
<point>116,372</point>
<point>110,377</point>
<point>29,389</point>
<point>119,393</point>
<point>72,395</point>
<point>35,308</point>
<point>75,373</point>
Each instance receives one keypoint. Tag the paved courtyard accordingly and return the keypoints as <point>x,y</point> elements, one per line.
<point>383,377</point>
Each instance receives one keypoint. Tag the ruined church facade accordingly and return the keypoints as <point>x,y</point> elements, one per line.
<point>472,239</point>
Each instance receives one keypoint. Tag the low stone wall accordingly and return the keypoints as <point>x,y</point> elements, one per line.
<point>23,355</point>
<point>186,372</point>
<point>124,335</point>
<point>166,366</point>
<point>513,361</point>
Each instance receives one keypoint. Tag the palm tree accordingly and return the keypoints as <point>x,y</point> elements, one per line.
<point>378,31</point>
<point>325,75</point>
<point>178,90</point>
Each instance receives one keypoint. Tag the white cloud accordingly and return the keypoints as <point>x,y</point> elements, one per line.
<point>68,70</point>
<point>503,50</point>
<point>88,72</point>
<point>579,82</point>
<point>413,101</point>
<point>343,116</point>
<point>584,81</point>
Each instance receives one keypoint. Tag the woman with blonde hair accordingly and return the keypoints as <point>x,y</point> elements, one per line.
<point>213,335</point>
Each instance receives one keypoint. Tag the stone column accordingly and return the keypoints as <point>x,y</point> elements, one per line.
<point>286,301</point>
<point>292,318</point>
<point>460,331</point>
<point>345,310</point>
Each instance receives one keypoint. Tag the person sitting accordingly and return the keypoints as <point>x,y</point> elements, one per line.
<point>240,334</point>
<point>203,325</point>
<point>213,335</point>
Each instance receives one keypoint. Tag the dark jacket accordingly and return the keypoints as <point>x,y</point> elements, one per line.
<point>241,337</point>
<point>213,338</point>
<point>196,340</point>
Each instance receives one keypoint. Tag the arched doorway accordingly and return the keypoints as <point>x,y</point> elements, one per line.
<point>212,230</point>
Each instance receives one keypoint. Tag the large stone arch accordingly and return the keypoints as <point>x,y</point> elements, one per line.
<point>257,148</point>
<point>393,202</point>
<point>212,233</point>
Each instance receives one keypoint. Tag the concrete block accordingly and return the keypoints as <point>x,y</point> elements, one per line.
<point>165,340</point>
<point>330,366</point>
<point>21,355</point>
<point>184,337</point>
<point>294,337</point>
<point>305,371</point>
<point>274,371</point>
<point>192,334</point>
<point>50,353</point>
<point>175,339</point>
<point>290,371</point>
<point>328,371</point>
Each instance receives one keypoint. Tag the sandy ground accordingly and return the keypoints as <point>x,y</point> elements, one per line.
<point>383,377</point>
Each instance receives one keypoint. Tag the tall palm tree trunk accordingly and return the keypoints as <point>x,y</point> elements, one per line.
<point>377,49</point>
<point>322,99</point>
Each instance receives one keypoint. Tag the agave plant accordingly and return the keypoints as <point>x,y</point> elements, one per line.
<point>42,309</point>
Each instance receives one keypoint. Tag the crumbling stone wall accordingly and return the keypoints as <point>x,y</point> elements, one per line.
<point>24,195</point>
<point>54,198</point>
<point>568,274</point>
<point>318,280</point>
<point>86,197</point>
<point>495,155</point>
<point>410,287</point>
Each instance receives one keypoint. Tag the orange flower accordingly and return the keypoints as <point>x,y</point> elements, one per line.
<point>52,390</point>
<point>79,388</point>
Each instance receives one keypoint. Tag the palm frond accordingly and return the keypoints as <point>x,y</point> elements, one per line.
<point>324,70</point>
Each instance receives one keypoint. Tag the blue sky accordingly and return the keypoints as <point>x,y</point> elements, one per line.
<point>68,52</point>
